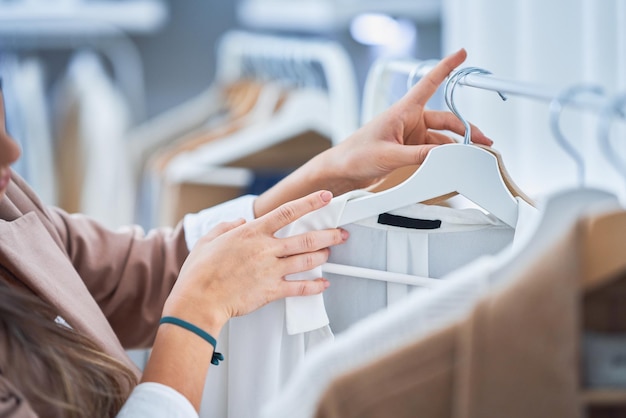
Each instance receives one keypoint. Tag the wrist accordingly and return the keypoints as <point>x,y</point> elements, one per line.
<point>179,359</point>
<point>206,316</point>
<point>331,171</point>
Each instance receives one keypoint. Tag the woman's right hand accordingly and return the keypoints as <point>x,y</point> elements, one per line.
<point>400,136</point>
<point>239,267</point>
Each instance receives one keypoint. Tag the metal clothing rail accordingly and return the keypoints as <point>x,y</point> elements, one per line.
<point>380,75</point>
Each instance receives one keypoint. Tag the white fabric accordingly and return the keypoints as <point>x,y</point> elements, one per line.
<point>198,224</point>
<point>261,353</point>
<point>388,329</point>
<point>103,122</point>
<point>402,249</point>
<point>154,400</point>
<point>308,313</point>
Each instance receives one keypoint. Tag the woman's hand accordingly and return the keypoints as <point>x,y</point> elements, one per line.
<point>401,136</point>
<point>233,270</point>
<point>239,267</point>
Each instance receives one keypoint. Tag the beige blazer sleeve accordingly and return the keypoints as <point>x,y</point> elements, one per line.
<point>128,272</point>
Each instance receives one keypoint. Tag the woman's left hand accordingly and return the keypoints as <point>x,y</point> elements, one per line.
<point>239,267</point>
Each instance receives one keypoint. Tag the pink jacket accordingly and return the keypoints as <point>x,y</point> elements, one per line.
<point>109,285</point>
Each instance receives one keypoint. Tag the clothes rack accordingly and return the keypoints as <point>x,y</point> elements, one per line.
<point>102,26</point>
<point>379,79</point>
<point>236,47</point>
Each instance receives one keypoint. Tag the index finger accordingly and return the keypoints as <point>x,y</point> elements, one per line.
<point>291,211</point>
<point>429,84</point>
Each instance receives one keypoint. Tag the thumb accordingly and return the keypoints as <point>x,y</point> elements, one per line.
<point>421,152</point>
<point>403,155</point>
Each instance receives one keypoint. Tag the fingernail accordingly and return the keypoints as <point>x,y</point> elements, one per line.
<point>344,234</point>
<point>326,196</point>
<point>326,284</point>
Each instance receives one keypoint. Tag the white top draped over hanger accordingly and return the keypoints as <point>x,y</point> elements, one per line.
<point>263,349</point>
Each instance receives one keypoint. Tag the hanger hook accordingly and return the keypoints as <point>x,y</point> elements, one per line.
<point>556,108</point>
<point>614,107</point>
<point>449,89</point>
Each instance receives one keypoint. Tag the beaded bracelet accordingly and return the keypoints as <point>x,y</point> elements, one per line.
<point>217,357</point>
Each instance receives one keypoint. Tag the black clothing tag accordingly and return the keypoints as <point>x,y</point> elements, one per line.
<point>404,222</point>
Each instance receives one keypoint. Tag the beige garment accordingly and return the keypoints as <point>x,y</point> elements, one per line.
<point>516,355</point>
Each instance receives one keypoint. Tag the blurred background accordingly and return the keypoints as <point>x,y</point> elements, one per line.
<point>110,98</point>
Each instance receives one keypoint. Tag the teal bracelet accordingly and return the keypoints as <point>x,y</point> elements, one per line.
<point>217,357</point>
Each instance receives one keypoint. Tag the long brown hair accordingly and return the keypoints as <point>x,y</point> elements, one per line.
<point>59,371</point>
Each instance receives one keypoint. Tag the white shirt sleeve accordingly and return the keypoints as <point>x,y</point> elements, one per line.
<point>198,224</point>
<point>155,400</point>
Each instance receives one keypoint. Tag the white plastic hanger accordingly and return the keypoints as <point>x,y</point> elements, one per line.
<point>469,170</point>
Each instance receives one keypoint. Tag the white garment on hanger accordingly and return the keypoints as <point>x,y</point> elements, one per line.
<point>103,123</point>
<point>264,348</point>
<point>388,329</point>
<point>260,353</point>
<point>463,236</point>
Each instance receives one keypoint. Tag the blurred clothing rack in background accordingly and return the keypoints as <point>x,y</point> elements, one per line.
<point>236,48</point>
<point>102,26</point>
